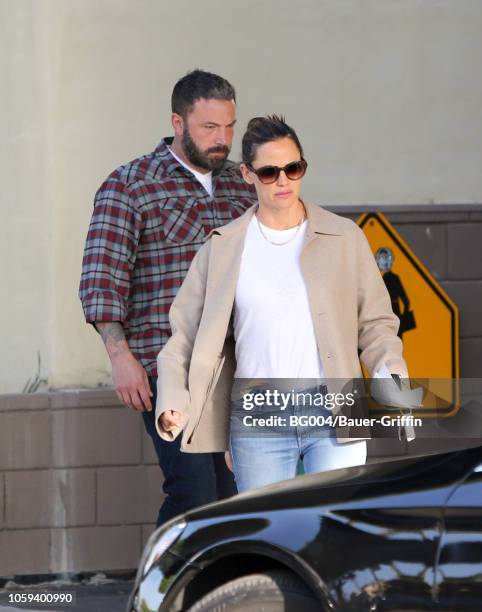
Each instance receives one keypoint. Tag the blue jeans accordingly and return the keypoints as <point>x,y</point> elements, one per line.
<point>190,479</point>
<point>271,454</point>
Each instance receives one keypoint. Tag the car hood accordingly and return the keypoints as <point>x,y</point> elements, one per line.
<point>382,479</point>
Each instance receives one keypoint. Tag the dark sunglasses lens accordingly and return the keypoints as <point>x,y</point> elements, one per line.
<point>295,170</point>
<point>268,174</point>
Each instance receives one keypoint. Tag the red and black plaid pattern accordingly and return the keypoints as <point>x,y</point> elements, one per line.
<point>150,218</point>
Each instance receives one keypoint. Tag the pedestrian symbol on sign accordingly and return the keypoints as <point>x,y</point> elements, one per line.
<point>384,258</point>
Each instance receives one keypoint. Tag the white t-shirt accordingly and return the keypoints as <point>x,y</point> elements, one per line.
<point>273,326</point>
<point>206,179</point>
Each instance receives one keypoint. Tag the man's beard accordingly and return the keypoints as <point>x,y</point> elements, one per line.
<point>201,159</point>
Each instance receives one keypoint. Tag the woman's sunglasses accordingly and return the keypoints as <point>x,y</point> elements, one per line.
<point>270,174</point>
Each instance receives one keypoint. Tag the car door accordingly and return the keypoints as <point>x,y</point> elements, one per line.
<point>459,571</point>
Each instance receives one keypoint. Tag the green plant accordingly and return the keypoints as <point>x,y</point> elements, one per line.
<point>32,385</point>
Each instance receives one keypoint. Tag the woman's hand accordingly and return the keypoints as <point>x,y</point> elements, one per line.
<point>170,419</point>
<point>227,458</point>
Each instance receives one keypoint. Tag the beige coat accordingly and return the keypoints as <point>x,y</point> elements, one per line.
<point>349,304</point>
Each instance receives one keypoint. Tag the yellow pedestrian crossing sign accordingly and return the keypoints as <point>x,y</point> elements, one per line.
<point>429,323</point>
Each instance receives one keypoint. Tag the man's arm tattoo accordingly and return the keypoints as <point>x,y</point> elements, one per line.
<point>112,334</point>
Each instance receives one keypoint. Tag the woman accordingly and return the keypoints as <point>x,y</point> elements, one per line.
<point>287,291</point>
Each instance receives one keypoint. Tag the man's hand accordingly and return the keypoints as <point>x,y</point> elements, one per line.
<point>170,419</point>
<point>129,377</point>
<point>131,382</point>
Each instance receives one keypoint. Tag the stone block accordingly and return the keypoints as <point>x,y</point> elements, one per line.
<point>429,243</point>
<point>426,216</point>
<point>91,437</point>
<point>2,500</point>
<point>84,398</point>
<point>128,494</point>
<point>24,551</point>
<point>471,358</point>
<point>147,531</point>
<point>24,401</point>
<point>467,295</point>
<point>465,251</point>
<point>50,498</point>
<point>24,440</point>
<point>413,213</point>
<point>78,549</point>
<point>149,456</point>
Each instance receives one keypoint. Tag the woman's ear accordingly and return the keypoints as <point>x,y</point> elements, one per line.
<point>246,173</point>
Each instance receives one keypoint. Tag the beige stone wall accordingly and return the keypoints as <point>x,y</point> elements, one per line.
<point>79,483</point>
<point>385,95</point>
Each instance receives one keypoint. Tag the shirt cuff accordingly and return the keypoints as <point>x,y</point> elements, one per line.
<point>104,307</point>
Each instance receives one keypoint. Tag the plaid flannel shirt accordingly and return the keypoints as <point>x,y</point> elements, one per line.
<point>150,218</point>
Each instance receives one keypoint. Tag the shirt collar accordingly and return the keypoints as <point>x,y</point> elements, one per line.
<point>171,165</point>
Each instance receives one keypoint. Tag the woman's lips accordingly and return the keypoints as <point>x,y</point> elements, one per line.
<point>284,194</point>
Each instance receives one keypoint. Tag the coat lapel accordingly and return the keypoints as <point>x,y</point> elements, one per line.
<point>318,251</point>
<point>227,245</point>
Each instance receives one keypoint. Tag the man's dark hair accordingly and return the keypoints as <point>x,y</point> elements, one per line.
<point>266,129</point>
<point>199,84</point>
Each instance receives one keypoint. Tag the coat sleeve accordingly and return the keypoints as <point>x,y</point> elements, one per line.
<point>174,360</point>
<point>377,324</point>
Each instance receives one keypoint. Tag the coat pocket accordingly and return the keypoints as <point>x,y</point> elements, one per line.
<point>210,389</point>
<point>216,375</point>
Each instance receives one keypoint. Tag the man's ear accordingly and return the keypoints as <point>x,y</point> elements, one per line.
<point>177,123</point>
<point>246,174</point>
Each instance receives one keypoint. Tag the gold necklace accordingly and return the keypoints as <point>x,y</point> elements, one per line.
<point>286,241</point>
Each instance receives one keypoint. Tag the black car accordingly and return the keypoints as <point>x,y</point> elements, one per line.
<point>399,535</point>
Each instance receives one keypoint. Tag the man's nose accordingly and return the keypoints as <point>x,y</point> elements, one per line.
<point>221,136</point>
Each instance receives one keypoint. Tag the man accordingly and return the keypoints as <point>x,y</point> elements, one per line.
<point>150,218</point>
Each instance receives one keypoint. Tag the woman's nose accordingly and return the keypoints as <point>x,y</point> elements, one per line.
<point>282,179</point>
